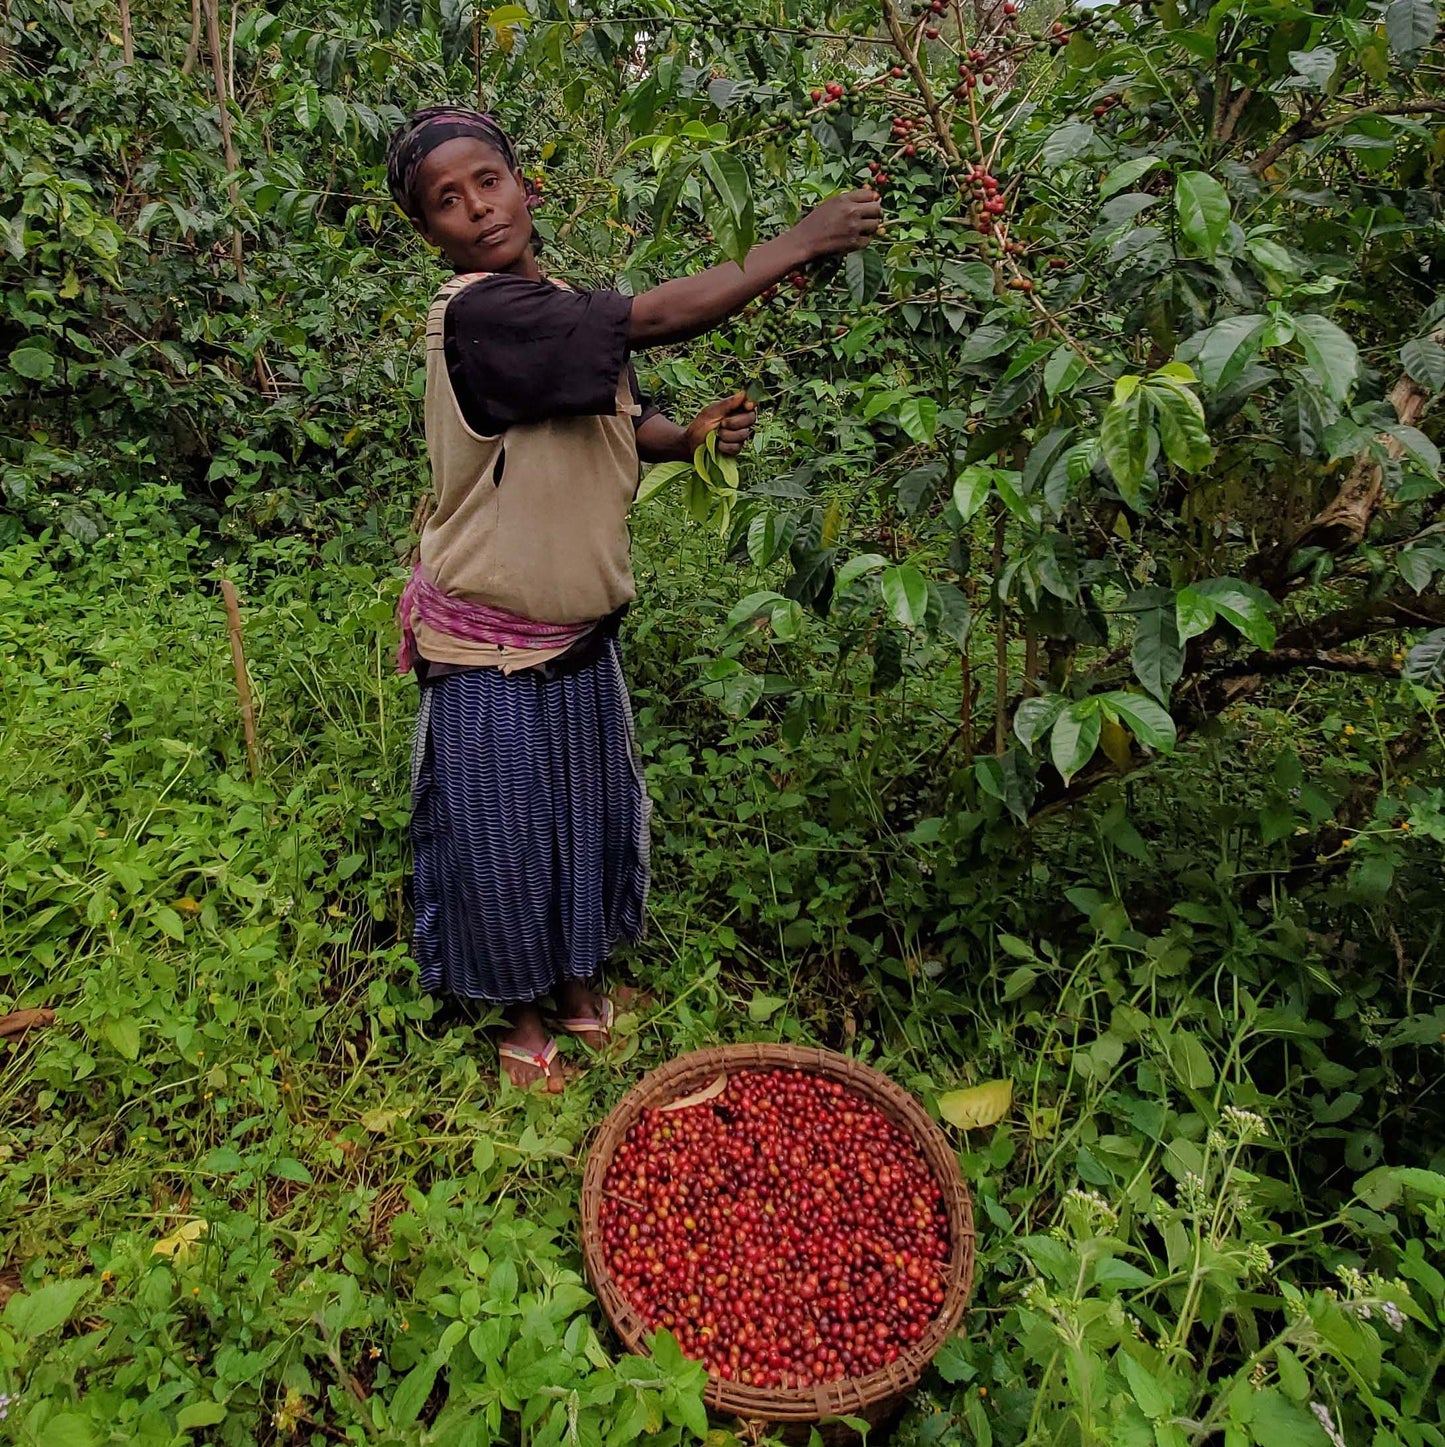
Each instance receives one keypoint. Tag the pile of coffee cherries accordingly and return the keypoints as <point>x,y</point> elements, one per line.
<point>785,1231</point>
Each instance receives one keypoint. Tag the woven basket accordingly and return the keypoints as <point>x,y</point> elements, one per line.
<point>873,1398</point>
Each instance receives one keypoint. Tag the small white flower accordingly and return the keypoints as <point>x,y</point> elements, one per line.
<point>1245,1123</point>
<point>1393,1315</point>
<point>1326,1419</point>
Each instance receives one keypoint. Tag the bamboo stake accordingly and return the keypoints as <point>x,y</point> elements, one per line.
<point>243,682</point>
<point>127,36</point>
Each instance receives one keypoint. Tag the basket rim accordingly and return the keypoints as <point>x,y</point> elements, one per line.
<point>847,1396</point>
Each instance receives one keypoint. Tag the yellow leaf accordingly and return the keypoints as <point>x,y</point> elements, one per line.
<point>549,149</point>
<point>979,1106</point>
<point>379,1121</point>
<point>832,523</point>
<point>1121,526</point>
<point>710,1091</point>
<point>181,1242</point>
<point>1114,738</point>
<point>185,905</point>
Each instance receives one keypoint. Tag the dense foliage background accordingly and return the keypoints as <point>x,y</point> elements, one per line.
<point>1053,697</point>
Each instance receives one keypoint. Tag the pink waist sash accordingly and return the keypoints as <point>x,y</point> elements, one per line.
<point>474,622</point>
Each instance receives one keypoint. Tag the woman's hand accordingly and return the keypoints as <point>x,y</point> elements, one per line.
<point>842,223</point>
<point>733,419</point>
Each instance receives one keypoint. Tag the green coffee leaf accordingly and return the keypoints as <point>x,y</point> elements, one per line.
<point>1147,720</point>
<point>1075,737</point>
<point>728,203</point>
<point>32,362</point>
<point>1330,353</point>
<point>1122,178</point>
<point>1202,205</point>
<point>905,590</point>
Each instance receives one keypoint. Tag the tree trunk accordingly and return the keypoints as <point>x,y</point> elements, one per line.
<point>1344,521</point>
<point>127,35</point>
<point>193,45</point>
<point>211,12</point>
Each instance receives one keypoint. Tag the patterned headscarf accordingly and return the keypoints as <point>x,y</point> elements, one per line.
<point>429,128</point>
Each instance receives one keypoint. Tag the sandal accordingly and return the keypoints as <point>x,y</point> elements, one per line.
<point>599,1024</point>
<point>542,1060</point>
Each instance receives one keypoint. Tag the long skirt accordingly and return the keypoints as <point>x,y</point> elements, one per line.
<point>529,828</point>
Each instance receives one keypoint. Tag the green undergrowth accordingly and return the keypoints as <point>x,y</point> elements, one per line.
<point>257,1189</point>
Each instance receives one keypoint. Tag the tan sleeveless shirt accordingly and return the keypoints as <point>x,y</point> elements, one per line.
<point>533,519</point>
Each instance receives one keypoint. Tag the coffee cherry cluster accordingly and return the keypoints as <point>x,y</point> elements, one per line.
<point>785,1231</point>
<point>987,199</point>
<point>972,70</point>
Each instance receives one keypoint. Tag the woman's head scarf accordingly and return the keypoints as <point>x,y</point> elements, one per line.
<point>427,129</point>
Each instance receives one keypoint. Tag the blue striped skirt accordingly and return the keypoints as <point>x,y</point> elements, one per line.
<point>529,829</point>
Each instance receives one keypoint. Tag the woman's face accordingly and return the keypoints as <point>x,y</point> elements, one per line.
<point>473,207</point>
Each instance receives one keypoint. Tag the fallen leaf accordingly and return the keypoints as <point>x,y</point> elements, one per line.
<point>15,1024</point>
<point>181,1241</point>
<point>710,1091</point>
<point>979,1106</point>
<point>379,1120</point>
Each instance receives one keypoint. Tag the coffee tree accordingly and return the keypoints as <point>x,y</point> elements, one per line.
<point>1120,418</point>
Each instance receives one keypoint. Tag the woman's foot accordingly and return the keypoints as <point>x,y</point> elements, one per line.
<point>586,1013</point>
<point>527,1053</point>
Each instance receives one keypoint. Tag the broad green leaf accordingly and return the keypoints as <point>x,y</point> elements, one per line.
<point>863,271</point>
<point>1424,360</point>
<point>69,1429</point>
<point>1157,654</point>
<point>918,417</point>
<point>410,1396</point>
<point>1425,662</point>
<point>988,341</point>
<point>746,609</point>
<point>731,218</point>
<point>200,1414</point>
<point>1034,717</point>
<point>1149,1392</point>
<point>977,1107</point>
<point>1227,348</point>
<point>1202,205</point>
<point>1062,370</point>
<point>1123,177</point>
<point>334,109</point>
<point>30,1314</point>
<point>660,476</point>
<point>1182,433</point>
<point>1075,737</point>
<point>917,484</point>
<point>1330,353</point>
<point>307,107</point>
<point>905,590</point>
<point>1410,26</point>
<point>1317,66</point>
<point>948,612</point>
<point>1124,440</point>
<point>971,490</point>
<point>760,1008</point>
<point>1147,720</point>
<point>1248,608</point>
<point>769,536</point>
<point>1191,1061</point>
<point>1419,563</point>
<point>1067,143</point>
<point>857,566</point>
<point>33,362</point>
<point>666,1353</point>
